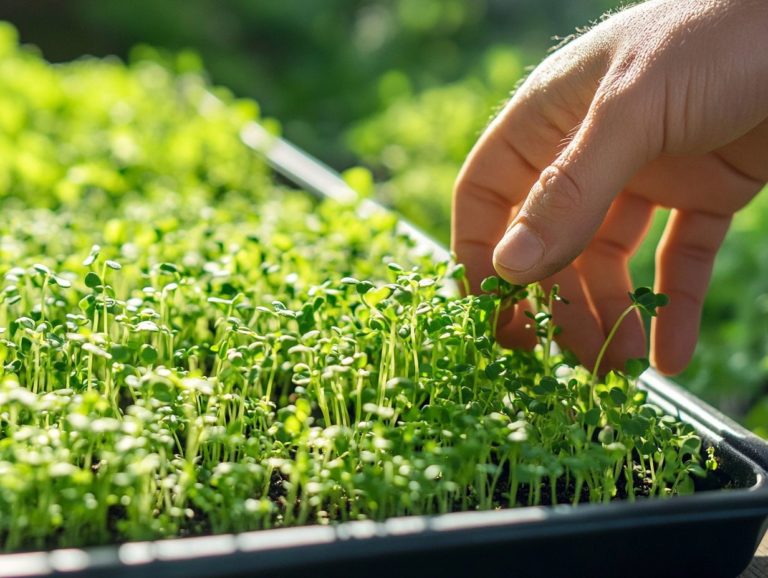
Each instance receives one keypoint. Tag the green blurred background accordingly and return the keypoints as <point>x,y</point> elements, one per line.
<point>404,87</point>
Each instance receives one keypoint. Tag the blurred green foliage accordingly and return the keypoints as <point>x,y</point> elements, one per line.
<point>71,132</point>
<point>317,66</point>
<point>405,87</point>
<point>420,140</point>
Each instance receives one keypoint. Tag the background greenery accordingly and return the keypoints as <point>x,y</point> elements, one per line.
<point>404,87</point>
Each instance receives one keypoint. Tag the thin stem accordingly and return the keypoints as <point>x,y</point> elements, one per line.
<point>608,340</point>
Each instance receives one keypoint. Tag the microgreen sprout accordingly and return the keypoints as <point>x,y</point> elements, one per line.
<point>643,300</point>
<point>186,347</point>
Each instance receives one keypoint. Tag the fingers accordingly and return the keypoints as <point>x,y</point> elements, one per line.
<point>565,207</point>
<point>494,178</point>
<point>604,270</point>
<point>684,262</point>
<point>561,206</point>
<point>509,157</point>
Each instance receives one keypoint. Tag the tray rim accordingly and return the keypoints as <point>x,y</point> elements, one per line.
<point>274,548</point>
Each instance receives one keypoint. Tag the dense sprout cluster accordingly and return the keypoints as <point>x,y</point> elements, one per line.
<point>186,348</point>
<point>93,131</point>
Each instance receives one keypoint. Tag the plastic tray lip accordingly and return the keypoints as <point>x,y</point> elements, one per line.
<point>750,502</point>
<point>710,422</point>
<point>395,535</point>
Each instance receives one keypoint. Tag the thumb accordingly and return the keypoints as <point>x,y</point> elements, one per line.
<point>568,203</point>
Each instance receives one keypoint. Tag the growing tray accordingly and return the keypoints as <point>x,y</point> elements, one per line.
<point>712,533</point>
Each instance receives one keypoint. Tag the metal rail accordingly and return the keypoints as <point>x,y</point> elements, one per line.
<point>323,182</point>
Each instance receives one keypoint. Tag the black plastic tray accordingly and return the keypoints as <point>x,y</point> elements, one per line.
<point>710,533</point>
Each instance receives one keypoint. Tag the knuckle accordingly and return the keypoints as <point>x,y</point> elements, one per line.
<point>561,195</point>
<point>695,253</point>
<point>681,294</point>
<point>607,250</point>
<point>632,78</point>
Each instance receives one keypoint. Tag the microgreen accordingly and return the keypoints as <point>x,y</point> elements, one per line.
<point>186,347</point>
<point>644,300</point>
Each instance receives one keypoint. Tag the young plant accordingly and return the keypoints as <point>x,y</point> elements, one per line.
<point>642,300</point>
<point>187,347</point>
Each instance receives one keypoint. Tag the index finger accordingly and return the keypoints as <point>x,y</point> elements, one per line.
<point>494,178</point>
<point>517,146</point>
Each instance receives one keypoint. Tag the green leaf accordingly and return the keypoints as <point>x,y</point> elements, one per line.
<point>538,407</point>
<point>548,384</point>
<point>148,354</point>
<point>373,298</point>
<point>685,486</point>
<point>592,417</point>
<point>364,286</point>
<point>617,396</point>
<point>494,370</point>
<point>691,445</point>
<point>42,269</point>
<point>120,353</point>
<point>96,350</point>
<point>635,425</point>
<point>91,258</point>
<point>634,367</point>
<point>92,280</point>
<point>61,282</point>
<point>490,284</point>
<point>458,272</point>
<point>648,301</point>
<point>292,425</point>
<point>169,268</point>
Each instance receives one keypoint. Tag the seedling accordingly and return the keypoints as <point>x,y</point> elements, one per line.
<point>646,302</point>
<point>186,347</point>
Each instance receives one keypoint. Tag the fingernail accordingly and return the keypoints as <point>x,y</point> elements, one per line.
<point>520,250</point>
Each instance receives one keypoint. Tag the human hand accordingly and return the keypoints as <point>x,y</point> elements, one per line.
<point>664,104</point>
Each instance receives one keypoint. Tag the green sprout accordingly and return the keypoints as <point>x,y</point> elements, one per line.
<point>187,347</point>
<point>643,300</point>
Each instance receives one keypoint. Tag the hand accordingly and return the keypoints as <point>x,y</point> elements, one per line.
<point>664,104</point>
